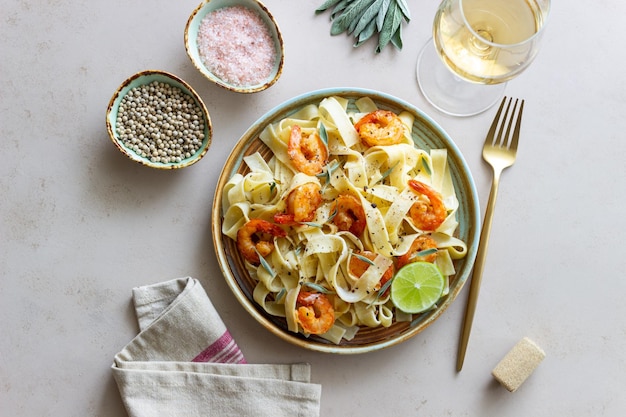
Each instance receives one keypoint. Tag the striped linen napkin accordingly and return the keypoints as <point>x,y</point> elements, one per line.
<point>184,362</point>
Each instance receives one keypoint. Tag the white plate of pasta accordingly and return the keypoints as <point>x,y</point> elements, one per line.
<point>324,199</point>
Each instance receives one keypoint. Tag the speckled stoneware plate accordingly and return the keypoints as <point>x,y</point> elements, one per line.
<point>191,44</point>
<point>427,135</point>
<point>144,78</point>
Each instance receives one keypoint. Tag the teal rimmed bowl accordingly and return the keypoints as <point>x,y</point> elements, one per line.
<point>144,78</point>
<point>191,44</point>
<point>427,134</point>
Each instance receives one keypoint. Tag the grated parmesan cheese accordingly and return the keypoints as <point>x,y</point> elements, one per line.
<point>235,44</point>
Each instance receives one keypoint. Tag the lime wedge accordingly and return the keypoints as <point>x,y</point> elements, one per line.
<point>417,287</point>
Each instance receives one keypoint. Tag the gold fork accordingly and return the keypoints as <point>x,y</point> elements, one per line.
<point>499,151</point>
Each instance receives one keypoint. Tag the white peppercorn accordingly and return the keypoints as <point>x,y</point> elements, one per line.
<point>155,119</point>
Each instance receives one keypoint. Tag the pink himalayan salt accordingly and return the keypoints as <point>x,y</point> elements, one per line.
<point>235,45</point>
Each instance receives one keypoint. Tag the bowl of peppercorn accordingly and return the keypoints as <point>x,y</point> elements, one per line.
<point>236,44</point>
<point>158,120</point>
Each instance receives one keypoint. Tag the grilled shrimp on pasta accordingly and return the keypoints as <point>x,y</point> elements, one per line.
<point>344,202</point>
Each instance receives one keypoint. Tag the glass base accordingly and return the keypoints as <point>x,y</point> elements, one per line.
<point>449,93</point>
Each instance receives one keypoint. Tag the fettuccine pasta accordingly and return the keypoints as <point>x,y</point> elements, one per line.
<point>328,243</point>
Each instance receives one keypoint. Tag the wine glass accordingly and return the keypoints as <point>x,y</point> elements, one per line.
<point>477,46</point>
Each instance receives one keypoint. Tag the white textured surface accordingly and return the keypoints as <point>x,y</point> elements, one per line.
<point>80,225</point>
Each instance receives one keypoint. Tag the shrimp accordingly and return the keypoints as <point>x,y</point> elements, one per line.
<point>316,314</point>
<point>427,215</point>
<point>254,239</point>
<point>380,127</point>
<point>348,214</point>
<point>358,267</point>
<point>421,243</point>
<point>308,153</point>
<point>302,202</point>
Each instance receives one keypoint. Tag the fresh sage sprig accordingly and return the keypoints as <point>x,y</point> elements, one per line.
<point>317,287</point>
<point>266,265</point>
<point>363,18</point>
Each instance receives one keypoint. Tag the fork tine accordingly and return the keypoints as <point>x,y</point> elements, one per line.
<point>515,138</point>
<point>494,125</point>
<point>505,126</point>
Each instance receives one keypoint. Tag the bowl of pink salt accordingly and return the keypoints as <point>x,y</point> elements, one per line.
<point>236,44</point>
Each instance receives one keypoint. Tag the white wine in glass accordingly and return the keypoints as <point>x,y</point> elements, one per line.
<point>483,44</point>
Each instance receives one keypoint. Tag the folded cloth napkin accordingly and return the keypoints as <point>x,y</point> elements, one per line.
<point>184,362</point>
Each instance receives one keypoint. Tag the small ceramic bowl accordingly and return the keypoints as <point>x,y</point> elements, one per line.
<point>144,78</point>
<point>191,43</point>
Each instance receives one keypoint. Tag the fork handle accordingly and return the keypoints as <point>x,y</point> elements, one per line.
<point>478,271</point>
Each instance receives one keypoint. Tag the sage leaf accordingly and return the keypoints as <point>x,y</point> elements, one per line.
<point>333,167</point>
<point>312,224</point>
<point>426,166</point>
<point>393,19</point>
<point>388,172</point>
<point>366,33</point>
<point>396,39</point>
<point>363,258</point>
<point>367,17</point>
<point>280,294</point>
<point>384,288</point>
<point>332,216</point>
<point>422,253</point>
<point>323,134</point>
<point>327,4</point>
<point>381,14</point>
<point>355,12</point>
<point>405,9</point>
<point>339,25</point>
<point>266,265</point>
<point>340,7</point>
<point>316,287</point>
<point>381,292</point>
<point>351,13</point>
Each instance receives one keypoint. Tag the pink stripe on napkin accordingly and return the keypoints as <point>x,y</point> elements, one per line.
<point>223,350</point>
